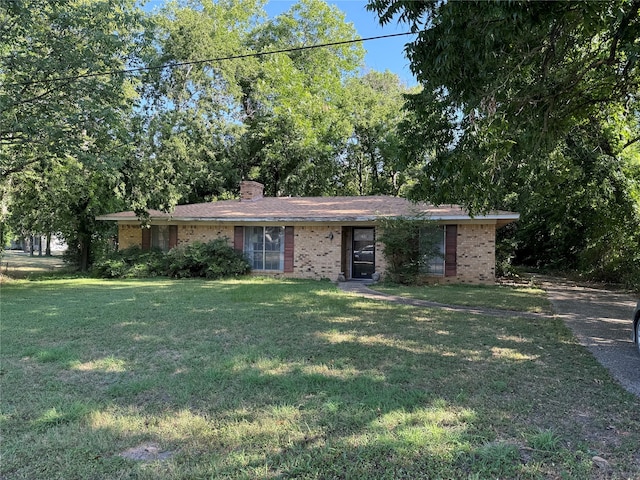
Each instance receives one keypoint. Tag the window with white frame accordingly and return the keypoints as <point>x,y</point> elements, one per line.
<point>264,247</point>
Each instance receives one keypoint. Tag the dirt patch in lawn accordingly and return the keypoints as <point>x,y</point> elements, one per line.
<point>146,452</point>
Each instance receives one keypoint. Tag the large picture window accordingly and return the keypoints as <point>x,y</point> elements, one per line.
<point>264,247</point>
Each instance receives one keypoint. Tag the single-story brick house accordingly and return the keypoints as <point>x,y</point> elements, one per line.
<point>319,237</point>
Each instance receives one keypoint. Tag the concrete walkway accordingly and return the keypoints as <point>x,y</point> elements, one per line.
<point>600,319</point>
<point>362,289</point>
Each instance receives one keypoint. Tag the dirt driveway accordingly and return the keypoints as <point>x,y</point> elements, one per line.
<point>601,321</point>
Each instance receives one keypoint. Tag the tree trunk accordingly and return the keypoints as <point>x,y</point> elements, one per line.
<point>84,245</point>
<point>84,241</point>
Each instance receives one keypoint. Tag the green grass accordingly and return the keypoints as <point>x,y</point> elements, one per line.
<point>262,379</point>
<point>519,298</point>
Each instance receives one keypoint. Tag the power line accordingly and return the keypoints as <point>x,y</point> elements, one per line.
<point>200,62</point>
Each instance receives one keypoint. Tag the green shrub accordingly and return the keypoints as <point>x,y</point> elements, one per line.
<point>409,244</point>
<point>132,262</point>
<point>215,259</point>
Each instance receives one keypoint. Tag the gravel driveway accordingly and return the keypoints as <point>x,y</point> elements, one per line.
<point>601,321</point>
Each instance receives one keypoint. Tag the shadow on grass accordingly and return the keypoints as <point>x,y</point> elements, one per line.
<point>269,379</point>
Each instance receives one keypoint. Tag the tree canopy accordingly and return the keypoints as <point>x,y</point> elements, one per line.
<point>532,106</point>
<point>64,132</point>
<point>504,82</point>
<point>82,132</point>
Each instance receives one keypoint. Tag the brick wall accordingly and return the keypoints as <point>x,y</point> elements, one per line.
<point>204,233</point>
<point>476,254</point>
<point>381,261</point>
<point>317,252</point>
<point>251,191</point>
<point>129,235</point>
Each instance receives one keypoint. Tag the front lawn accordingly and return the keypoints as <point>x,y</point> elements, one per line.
<point>260,379</point>
<point>520,298</point>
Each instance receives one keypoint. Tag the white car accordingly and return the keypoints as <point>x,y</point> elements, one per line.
<point>636,327</point>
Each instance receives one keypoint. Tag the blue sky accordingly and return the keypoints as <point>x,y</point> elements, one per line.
<point>383,54</point>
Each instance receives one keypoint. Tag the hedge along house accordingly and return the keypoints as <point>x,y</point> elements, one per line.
<point>319,237</point>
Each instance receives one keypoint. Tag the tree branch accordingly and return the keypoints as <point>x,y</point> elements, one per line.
<point>4,173</point>
<point>631,142</point>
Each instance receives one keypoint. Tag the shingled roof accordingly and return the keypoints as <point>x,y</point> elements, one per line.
<point>311,209</point>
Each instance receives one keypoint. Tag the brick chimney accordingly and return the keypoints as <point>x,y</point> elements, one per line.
<point>250,191</point>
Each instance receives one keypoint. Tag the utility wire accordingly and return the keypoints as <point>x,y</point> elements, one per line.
<point>200,62</point>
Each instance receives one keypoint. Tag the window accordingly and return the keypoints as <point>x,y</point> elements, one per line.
<point>163,237</point>
<point>160,237</point>
<point>264,247</point>
<point>435,264</point>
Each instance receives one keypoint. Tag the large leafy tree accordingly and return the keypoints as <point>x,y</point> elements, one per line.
<point>273,118</point>
<point>64,197</point>
<point>191,117</point>
<point>505,81</point>
<point>532,106</point>
<point>374,160</point>
<point>61,118</point>
<point>47,110</point>
<point>295,125</point>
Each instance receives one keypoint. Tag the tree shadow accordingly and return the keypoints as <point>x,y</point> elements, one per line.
<point>292,381</point>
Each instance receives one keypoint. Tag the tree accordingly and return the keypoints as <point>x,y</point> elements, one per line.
<point>506,81</point>
<point>273,118</point>
<point>373,161</point>
<point>586,216</point>
<point>191,120</point>
<point>60,116</point>
<point>46,110</point>
<point>64,197</point>
<point>295,126</point>
<point>531,106</point>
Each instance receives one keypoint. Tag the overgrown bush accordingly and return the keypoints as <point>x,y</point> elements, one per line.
<point>215,259</point>
<point>506,245</point>
<point>409,245</point>
<point>132,262</point>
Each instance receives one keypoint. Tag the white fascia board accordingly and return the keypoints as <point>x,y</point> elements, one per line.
<point>368,218</point>
<point>279,220</point>
<point>515,216</point>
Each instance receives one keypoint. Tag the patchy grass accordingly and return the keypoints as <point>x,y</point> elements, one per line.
<point>256,378</point>
<point>519,298</point>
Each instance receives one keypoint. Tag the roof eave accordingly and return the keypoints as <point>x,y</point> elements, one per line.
<point>501,219</point>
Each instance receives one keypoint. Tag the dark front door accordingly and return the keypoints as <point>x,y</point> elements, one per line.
<point>363,256</point>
